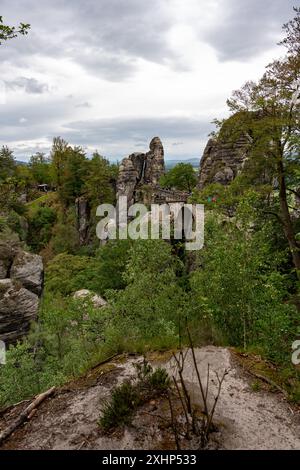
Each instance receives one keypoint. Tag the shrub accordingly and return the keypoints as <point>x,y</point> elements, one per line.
<point>129,395</point>
<point>67,273</point>
<point>238,289</point>
<point>40,227</point>
<point>119,409</point>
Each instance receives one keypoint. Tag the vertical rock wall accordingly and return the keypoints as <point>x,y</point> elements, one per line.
<point>21,282</point>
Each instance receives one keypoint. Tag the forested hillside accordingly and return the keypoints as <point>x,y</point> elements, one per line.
<point>240,291</point>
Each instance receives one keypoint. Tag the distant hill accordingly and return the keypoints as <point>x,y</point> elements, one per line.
<point>193,161</point>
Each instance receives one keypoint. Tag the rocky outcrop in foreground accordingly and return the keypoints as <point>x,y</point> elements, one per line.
<point>21,280</point>
<point>244,418</point>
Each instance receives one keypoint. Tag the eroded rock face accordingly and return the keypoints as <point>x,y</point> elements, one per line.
<point>18,307</point>
<point>155,163</point>
<point>83,218</point>
<point>27,268</point>
<point>7,253</point>
<point>130,175</point>
<point>222,161</point>
<point>141,169</point>
<point>21,281</point>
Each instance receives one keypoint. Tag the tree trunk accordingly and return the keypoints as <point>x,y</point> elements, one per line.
<point>286,218</point>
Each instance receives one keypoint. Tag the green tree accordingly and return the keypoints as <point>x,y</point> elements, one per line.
<point>69,167</point>
<point>40,228</point>
<point>99,182</point>
<point>10,32</point>
<point>182,177</point>
<point>152,303</point>
<point>271,109</point>
<point>238,284</point>
<point>40,168</point>
<point>7,163</point>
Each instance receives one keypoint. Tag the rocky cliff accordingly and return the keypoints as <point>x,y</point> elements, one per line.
<point>139,176</point>
<point>21,279</point>
<point>141,169</point>
<point>223,159</point>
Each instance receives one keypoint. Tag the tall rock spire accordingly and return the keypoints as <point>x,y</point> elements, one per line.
<point>141,168</point>
<point>155,163</point>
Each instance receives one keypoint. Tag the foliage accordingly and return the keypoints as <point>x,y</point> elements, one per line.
<point>65,237</point>
<point>153,301</point>
<point>182,176</point>
<point>126,397</point>
<point>98,187</point>
<point>110,264</point>
<point>68,273</point>
<point>159,379</point>
<point>41,228</point>
<point>9,32</point>
<point>7,163</point>
<point>66,341</point>
<point>69,170</point>
<point>269,111</point>
<point>119,410</point>
<point>40,168</point>
<point>239,289</point>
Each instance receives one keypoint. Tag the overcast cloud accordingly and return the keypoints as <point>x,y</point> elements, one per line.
<point>111,74</point>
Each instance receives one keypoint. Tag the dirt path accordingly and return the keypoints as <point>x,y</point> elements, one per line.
<point>245,419</point>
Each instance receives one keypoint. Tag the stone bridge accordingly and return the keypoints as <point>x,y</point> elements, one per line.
<point>161,196</point>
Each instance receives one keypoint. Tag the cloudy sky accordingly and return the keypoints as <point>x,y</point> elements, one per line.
<point>111,74</point>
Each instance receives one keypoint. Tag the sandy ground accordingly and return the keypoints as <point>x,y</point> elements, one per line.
<point>245,419</point>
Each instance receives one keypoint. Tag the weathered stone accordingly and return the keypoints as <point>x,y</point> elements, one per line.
<point>155,164</point>
<point>18,307</point>
<point>7,252</point>
<point>83,218</point>
<point>96,300</point>
<point>223,160</point>
<point>27,268</point>
<point>130,175</point>
<point>139,176</point>
<point>141,169</point>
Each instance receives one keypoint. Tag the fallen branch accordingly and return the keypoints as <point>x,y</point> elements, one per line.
<point>10,407</point>
<point>105,361</point>
<point>25,414</point>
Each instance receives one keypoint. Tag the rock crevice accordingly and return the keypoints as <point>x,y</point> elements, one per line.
<point>21,282</point>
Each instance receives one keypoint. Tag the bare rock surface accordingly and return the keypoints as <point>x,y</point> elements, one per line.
<point>96,300</point>
<point>21,283</point>
<point>18,307</point>
<point>245,419</point>
<point>27,268</point>
<point>223,160</point>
